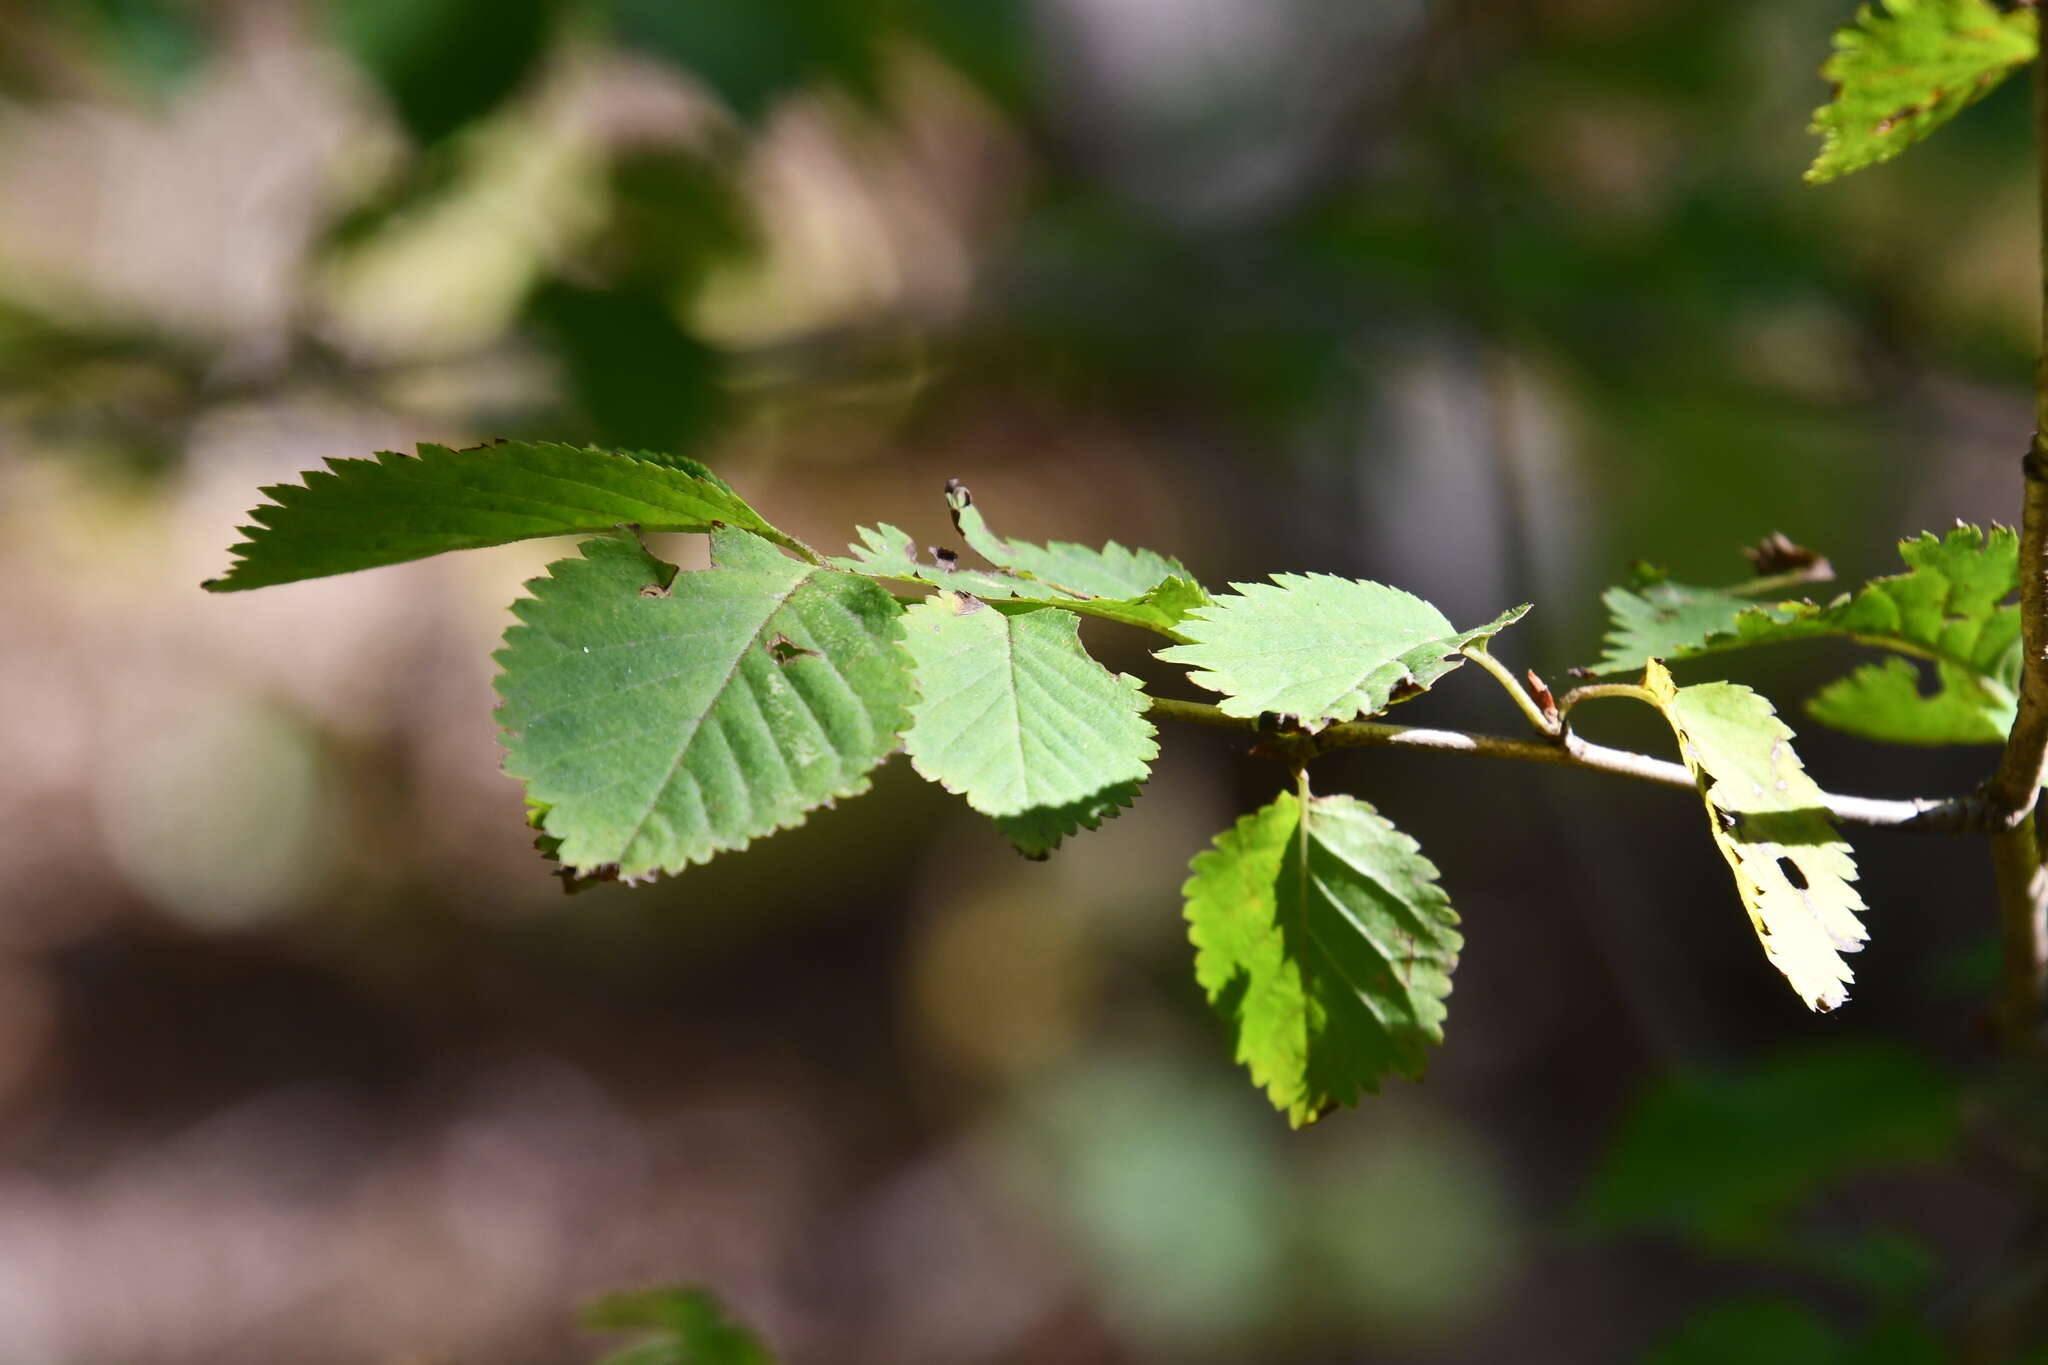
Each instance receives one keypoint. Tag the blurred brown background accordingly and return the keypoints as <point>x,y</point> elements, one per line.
<point>304,1057</point>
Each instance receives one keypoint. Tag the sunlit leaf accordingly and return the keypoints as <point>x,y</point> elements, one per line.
<point>662,717</point>
<point>359,514</point>
<point>1794,873</point>
<point>1905,67</point>
<point>1321,649</point>
<point>1013,715</point>
<point>1948,608</point>
<point>1323,939</point>
<point>1883,701</point>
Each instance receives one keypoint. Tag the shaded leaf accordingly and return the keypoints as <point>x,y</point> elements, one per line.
<point>690,1328</point>
<point>1794,873</point>
<point>1013,715</point>
<point>1321,649</point>
<point>1323,939</point>
<point>1038,831</point>
<point>1904,68</point>
<point>660,727</point>
<point>360,514</point>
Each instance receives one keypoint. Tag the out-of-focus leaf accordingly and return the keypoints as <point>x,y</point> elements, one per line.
<point>689,1326</point>
<point>1014,716</point>
<point>1754,1331</point>
<point>1905,67</point>
<point>639,376</point>
<point>674,218</point>
<point>660,717</point>
<point>361,514</point>
<point>989,41</point>
<point>158,44</point>
<point>1794,873</point>
<point>1322,649</point>
<point>445,63</point>
<point>1322,938</point>
<point>1724,1156</point>
<point>753,52</point>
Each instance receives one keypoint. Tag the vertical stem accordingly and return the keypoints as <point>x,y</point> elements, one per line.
<point>2015,787</point>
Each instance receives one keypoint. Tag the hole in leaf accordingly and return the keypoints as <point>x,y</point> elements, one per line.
<point>784,650</point>
<point>1792,873</point>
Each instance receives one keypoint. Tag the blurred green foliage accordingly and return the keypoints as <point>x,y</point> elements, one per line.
<point>689,1327</point>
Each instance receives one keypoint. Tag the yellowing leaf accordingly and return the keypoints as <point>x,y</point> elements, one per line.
<point>1794,873</point>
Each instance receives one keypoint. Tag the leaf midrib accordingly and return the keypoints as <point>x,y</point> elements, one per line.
<point>696,725</point>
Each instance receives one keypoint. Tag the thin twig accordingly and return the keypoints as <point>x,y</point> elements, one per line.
<point>1957,816</point>
<point>1545,725</point>
<point>1599,691</point>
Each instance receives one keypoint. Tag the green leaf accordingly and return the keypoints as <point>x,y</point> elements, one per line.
<point>887,552</point>
<point>1014,716</point>
<point>690,1327</point>
<point>1883,701</point>
<point>1945,608</point>
<point>1665,621</point>
<point>445,63</point>
<point>1904,68</point>
<point>1322,649</point>
<point>1794,873</point>
<point>1068,570</point>
<point>359,514</point>
<point>662,717</point>
<point>1323,939</point>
